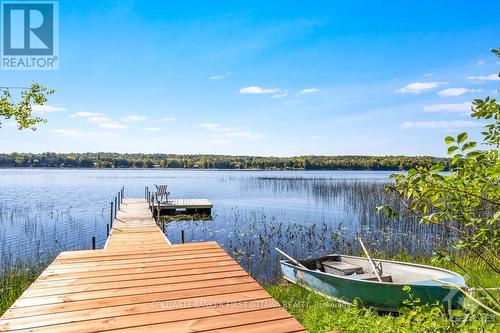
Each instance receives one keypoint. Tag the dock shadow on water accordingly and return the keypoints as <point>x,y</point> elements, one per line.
<point>327,217</point>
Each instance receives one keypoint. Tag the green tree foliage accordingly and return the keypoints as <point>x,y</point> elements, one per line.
<point>466,200</point>
<point>115,160</point>
<point>22,111</point>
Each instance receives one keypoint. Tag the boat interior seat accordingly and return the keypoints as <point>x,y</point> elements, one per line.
<point>340,268</point>
<point>371,277</point>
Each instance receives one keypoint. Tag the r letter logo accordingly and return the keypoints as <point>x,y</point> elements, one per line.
<point>30,36</point>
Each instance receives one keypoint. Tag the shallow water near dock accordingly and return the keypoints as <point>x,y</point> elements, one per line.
<point>305,213</point>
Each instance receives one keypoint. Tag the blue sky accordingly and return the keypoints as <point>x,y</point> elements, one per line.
<point>282,78</point>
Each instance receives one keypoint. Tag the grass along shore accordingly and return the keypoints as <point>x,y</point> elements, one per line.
<point>15,279</point>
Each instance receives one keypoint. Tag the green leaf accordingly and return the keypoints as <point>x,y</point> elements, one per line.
<point>437,168</point>
<point>449,139</point>
<point>469,145</point>
<point>452,149</point>
<point>473,154</point>
<point>462,137</point>
<point>438,177</point>
<point>412,172</point>
<point>456,158</point>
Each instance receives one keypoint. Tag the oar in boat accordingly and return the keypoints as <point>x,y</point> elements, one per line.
<point>290,258</point>
<point>370,260</point>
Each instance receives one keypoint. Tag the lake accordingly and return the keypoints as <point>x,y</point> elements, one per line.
<point>46,211</point>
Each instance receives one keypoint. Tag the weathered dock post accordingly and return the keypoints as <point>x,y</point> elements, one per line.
<point>116,204</point>
<point>158,207</point>
<point>93,242</point>
<point>111,215</point>
<point>151,205</point>
<point>123,192</point>
<point>119,200</point>
<point>182,236</point>
<point>107,230</point>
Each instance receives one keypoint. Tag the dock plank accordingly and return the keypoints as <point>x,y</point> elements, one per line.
<point>186,203</point>
<point>180,295</point>
<point>141,283</point>
<point>136,308</point>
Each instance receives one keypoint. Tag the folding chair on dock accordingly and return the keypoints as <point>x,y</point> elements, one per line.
<point>162,193</point>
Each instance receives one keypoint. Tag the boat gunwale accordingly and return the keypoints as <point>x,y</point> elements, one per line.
<point>289,263</point>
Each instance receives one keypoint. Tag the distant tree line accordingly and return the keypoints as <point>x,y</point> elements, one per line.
<point>116,160</point>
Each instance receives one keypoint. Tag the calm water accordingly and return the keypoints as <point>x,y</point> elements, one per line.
<point>43,212</point>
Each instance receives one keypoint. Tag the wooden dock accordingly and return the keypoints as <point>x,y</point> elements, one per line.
<point>187,206</point>
<point>141,283</point>
<point>160,203</point>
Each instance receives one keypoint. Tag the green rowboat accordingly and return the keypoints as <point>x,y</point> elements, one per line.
<point>346,278</point>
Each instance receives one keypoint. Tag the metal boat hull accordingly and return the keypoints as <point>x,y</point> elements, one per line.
<point>380,295</point>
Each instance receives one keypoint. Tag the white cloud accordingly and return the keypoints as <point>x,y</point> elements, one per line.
<point>47,108</point>
<point>450,92</point>
<point>284,94</point>
<point>112,125</point>
<point>293,102</point>
<point>429,74</point>
<point>308,91</point>
<point>221,142</point>
<point>482,78</point>
<point>131,119</point>
<point>9,123</point>
<point>210,126</point>
<point>240,134</point>
<point>106,122</point>
<point>418,87</point>
<point>75,134</point>
<point>86,114</point>
<point>443,124</point>
<point>152,129</point>
<point>259,90</point>
<point>66,132</point>
<point>480,62</point>
<point>167,119</point>
<point>220,77</point>
<point>223,133</point>
<point>449,108</point>
<point>99,119</point>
